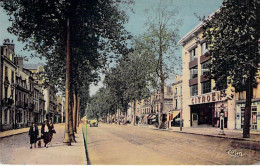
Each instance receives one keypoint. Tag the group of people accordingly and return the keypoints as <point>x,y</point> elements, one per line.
<point>47,131</point>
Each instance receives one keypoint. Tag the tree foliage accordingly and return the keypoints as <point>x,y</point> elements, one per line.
<point>233,44</point>
<point>233,38</point>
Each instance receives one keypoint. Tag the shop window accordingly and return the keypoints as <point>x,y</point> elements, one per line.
<point>194,90</point>
<point>254,118</point>
<point>193,54</point>
<point>204,48</point>
<point>206,87</point>
<point>253,123</point>
<point>194,72</point>
<point>205,68</point>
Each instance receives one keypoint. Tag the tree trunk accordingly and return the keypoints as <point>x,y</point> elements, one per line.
<point>74,112</point>
<point>134,117</point>
<point>249,96</point>
<point>118,116</point>
<point>67,86</point>
<point>72,136</point>
<point>161,123</point>
<point>1,70</point>
<point>78,109</point>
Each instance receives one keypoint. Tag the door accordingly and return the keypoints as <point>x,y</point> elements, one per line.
<point>195,119</point>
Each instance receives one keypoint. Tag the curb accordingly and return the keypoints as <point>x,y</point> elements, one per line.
<point>85,146</point>
<point>208,135</point>
<point>13,134</point>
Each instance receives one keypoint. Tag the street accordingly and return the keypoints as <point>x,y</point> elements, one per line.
<point>16,150</point>
<point>114,144</point>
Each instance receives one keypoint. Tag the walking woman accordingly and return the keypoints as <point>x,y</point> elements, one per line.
<point>52,131</point>
<point>45,131</point>
<point>33,134</point>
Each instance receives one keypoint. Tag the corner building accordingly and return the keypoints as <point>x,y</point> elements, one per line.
<point>201,104</point>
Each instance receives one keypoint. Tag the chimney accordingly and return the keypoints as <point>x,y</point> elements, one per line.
<point>19,61</point>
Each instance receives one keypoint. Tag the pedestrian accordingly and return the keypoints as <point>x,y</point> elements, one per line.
<point>52,130</point>
<point>45,131</point>
<point>33,134</point>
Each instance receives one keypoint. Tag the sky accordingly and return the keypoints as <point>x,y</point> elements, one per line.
<point>187,8</point>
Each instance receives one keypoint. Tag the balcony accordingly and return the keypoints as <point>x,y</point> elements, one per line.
<point>193,63</point>
<point>204,78</point>
<point>31,106</point>
<point>19,104</point>
<point>7,102</point>
<point>26,105</point>
<point>193,81</point>
<point>205,57</point>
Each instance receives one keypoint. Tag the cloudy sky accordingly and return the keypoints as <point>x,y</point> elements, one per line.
<point>187,8</point>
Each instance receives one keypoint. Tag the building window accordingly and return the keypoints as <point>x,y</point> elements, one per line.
<point>193,54</point>
<point>240,96</point>
<point>204,48</point>
<point>12,78</point>
<point>194,90</point>
<point>176,103</point>
<point>180,90</point>
<point>206,87</point>
<point>6,72</point>
<point>176,91</point>
<point>253,117</point>
<point>194,72</point>
<point>205,68</point>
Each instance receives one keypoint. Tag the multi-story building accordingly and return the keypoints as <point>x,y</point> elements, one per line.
<point>8,79</point>
<point>49,93</point>
<point>202,104</point>
<point>175,113</point>
<point>58,113</point>
<point>24,95</point>
<point>17,91</point>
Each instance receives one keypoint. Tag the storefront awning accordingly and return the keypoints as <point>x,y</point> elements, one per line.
<point>174,114</point>
<point>152,117</point>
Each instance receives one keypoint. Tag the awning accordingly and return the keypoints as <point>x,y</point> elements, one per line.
<point>152,117</point>
<point>154,120</point>
<point>174,114</point>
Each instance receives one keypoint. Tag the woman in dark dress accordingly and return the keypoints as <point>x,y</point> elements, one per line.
<point>33,134</point>
<point>51,130</point>
<point>45,131</point>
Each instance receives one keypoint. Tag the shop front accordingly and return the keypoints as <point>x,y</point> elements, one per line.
<point>205,110</point>
<point>255,115</point>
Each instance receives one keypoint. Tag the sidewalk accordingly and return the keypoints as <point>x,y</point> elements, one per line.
<point>55,154</point>
<point>15,132</point>
<point>212,132</point>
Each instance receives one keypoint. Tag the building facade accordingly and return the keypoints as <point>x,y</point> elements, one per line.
<point>21,101</point>
<point>8,79</point>
<point>174,114</point>
<point>201,104</point>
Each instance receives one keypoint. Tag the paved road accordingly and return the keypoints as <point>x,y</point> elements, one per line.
<point>16,150</point>
<point>113,144</point>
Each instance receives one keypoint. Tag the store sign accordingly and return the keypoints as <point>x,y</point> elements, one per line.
<point>212,97</point>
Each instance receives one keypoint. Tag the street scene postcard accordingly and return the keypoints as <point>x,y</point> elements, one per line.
<point>129,82</point>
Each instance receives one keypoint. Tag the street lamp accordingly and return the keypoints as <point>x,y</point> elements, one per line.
<point>221,132</point>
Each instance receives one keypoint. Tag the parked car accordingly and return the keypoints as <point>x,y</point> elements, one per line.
<point>93,123</point>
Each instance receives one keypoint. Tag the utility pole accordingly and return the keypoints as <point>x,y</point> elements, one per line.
<point>1,83</point>
<point>67,86</point>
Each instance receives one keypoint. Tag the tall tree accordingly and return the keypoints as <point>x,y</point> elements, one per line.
<point>161,39</point>
<point>96,29</point>
<point>233,37</point>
